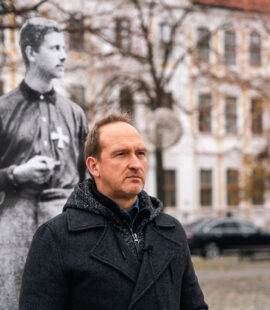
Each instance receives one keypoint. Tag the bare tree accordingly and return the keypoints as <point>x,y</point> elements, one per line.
<point>13,14</point>
<point>17,9</point>
<point>135,59</point>
<point>138,46</point>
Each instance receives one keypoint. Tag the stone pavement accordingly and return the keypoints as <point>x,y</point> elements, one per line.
<point>231,284</point>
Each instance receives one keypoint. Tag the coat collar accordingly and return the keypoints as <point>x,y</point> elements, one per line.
<point>83,198</point>
<point>34,96</point>
<point>80,220</point>
<point>83,220</point>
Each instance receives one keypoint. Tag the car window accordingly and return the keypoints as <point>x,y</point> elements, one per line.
<point>196,226</point>
<point>225,227</point>
<point>248,228</point>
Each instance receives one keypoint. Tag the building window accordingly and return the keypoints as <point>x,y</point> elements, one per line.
<point>1,88</point>
<point>76,33</point>
<point>256,116</point>
<point>123,34</point>
<point>257,186</point>
<point>2,37</point>
<point>165,34</point>
<point>203,44</point>
<point>230,47</point>
<point>232,187</point>
<point>205,113</point>
<point>170,188</point>
<point>206,187</point>
<point>254,49</point>
<point>126,101</point>
<point>230,115</point>
<point>165,39</point>
<point>167,100</point>
<point>77,94</point>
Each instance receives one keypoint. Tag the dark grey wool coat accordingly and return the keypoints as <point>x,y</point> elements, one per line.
<point>83,260</point>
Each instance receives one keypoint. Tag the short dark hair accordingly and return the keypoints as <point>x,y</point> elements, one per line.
<point>92,146</point>
<point>33,32</point>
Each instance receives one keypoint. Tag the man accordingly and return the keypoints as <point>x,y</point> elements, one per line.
<point>42,137</point>
<point>112,248</point>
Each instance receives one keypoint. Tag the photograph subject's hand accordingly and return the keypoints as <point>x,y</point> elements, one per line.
<point>38,169</point>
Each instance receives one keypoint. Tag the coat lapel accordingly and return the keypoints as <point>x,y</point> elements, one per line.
<point>160,250</point>
<point>108,251</point>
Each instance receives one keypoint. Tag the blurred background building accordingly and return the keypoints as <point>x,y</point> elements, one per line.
<point>195,77</point>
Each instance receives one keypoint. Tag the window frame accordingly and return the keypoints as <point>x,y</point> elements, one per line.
<point>232,187</point>
<point>230,114</point>
<point>170,187</point>
<point>203,46</point>
<point>126,100</point>
<point>162,29</point>
<point>257,186</point>
<point>122,35</point>
<point>255,49</point>
<point>205,113</point>
<point>256,116</point>
<point>2,37</point>
<point>1,87</point>
<point>76,38</point>
<point>230,47</point>
<point>206,188</point>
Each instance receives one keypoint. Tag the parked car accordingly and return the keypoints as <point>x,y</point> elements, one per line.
<point>213,237</point>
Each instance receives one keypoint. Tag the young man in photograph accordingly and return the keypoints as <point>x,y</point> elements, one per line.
<point>42,136</point>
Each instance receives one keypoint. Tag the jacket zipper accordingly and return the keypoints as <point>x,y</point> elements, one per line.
<point>136,241</point>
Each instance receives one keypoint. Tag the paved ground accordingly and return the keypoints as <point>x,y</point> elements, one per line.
<point>232,284</point>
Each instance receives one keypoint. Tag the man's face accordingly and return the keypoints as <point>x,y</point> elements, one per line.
<point>51,55</point>
<point>123,162</point>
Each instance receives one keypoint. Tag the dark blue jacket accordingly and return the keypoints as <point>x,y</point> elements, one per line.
<point>77,262</point>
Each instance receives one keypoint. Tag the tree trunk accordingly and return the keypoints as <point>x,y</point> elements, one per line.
<point>160,177</point>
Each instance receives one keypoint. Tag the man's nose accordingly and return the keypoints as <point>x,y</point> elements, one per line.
<point>63,55</point>
<point>134,162</point>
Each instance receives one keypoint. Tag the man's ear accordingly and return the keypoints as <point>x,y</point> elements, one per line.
<point>30,53</point>
<point>93,166</point>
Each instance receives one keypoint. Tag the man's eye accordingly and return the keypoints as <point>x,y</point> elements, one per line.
<point>142,153</point>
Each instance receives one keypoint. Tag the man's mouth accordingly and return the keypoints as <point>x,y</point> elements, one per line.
<point>134,177</point>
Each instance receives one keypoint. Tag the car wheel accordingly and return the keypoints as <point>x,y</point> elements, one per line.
<point>211,250</point>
